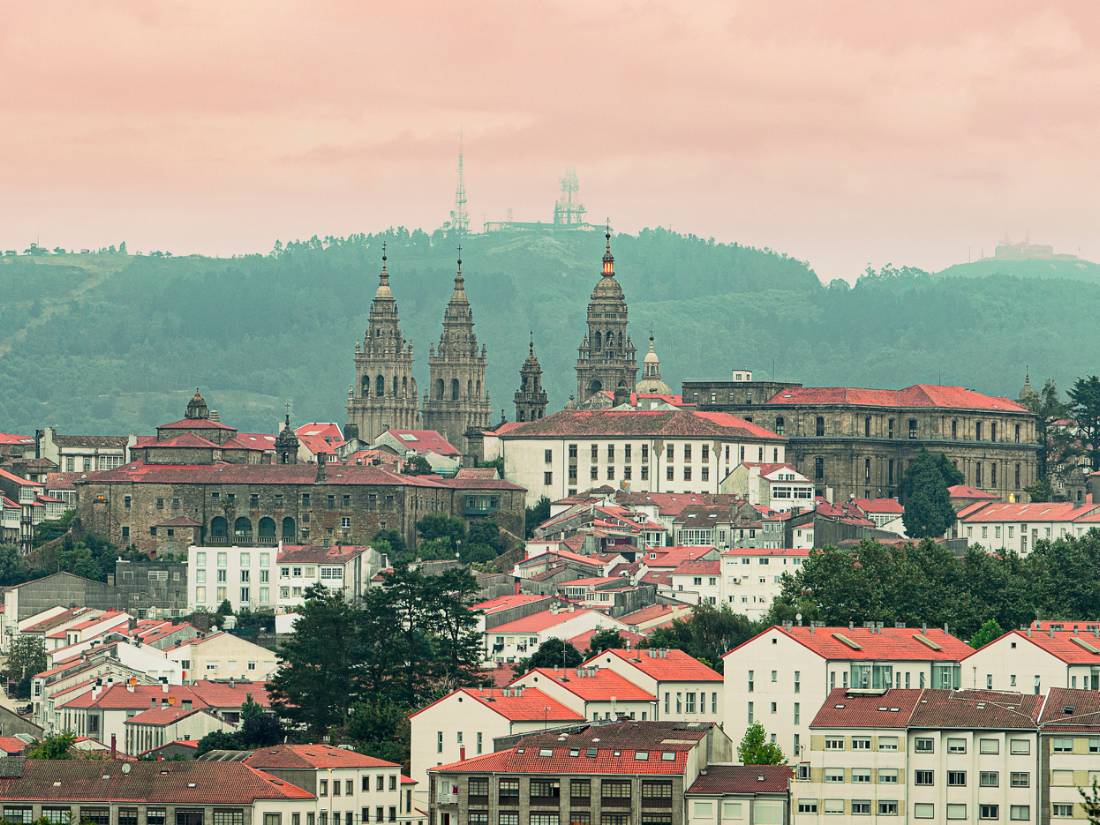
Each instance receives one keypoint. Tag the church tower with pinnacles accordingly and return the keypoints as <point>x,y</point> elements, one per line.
<point>530,398</point>
<point>457,401</point>
<point>606,358</point>
<point>384,394</point>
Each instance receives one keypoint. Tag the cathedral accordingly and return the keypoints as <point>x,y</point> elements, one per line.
<point>607,360</point>
<point>384,395</point>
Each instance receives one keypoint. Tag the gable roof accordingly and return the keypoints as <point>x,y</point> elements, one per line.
<point>313,756</point>
<point>591,684</point>
<point>1069,646</point>
<point>678,423</point>
<point>524,705</point>
<point>542,620</point>
<point>742,779</point>
<point>1000,511</point>
<point>427,441</point>
<point>663,665</point>
<point>917,396</point>
<point>898,644</point>
<point>495,605</point>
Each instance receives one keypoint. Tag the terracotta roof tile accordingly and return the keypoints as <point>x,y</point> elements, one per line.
<point>662,665</point>
<point>526,705</point>
<point>590,684</point>
<point>654,423</point>
<point>313,756</point>
<point>916,396</point>
<point>742,779</point>
<point>887,644</point>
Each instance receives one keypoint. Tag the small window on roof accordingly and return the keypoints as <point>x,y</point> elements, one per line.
<point>668,756</point>
<point>641,756</point>
<point>574,751</point>
<point>591,753</point>
<point>546,752</point>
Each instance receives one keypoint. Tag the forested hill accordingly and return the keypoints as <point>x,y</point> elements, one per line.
<point>117,343</point>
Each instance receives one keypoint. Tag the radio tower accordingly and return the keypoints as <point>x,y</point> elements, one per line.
<point>460,219</point>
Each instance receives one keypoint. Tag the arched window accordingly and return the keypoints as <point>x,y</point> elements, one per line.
<point>609,340</point>
<point>380,386</point>
<point>394,393</point>
<point>469,388</point>
<point>267,530</point>
<point>594,386</point>
<point>218,528</point>
<point>438,394</point>
<point>479,389</point>
<point>289,533</point>
<point>520,416</point>
<point>242,528</point>
<point>405,386</point>
<point>599,340</point>
<point>366,386</point>
<point>454,389</point>
<point>620,340</point>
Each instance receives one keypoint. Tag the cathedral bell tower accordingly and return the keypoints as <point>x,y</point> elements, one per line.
<point>457,401</point>
<point>606,358</point>
<point>530,398</point>
<point>384,394</point>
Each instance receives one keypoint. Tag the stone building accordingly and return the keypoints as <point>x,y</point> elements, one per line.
<point>530,398</point>
<point>606,358</point>
<point>651,383</point>
<point>384,395</point>
<point>457,401</point>
<point>859,442</point>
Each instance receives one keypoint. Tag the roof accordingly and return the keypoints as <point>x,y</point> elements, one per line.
<point>161,717</point>
<point>137,472</point>
<point>313,756</point>
<point>1069,646</point>
<point>583,640</point>
<point>988,709</point>
<point>880,505</point>
<point>887,643</point>
<point>252,441</point>
<point>231,694</point>
<point>99,441</point>
<point>965,491</point>
<point>319,437</point>
<point>916,396</point>
<point>890,709</point>
<point>680,423</point>
<point>477,472</point>
<point>651,612</point>
<point>12,477</point>
<point>196,424</point>
<point>542,620</point>
<point>136,697</point>
<point>425,441</point>
<point>11,438</point>
<point>741,779</point>
<point>1038,511</point>
<point>192,782</point>
<point>699,567</point>
<point>673,557</point>
<point>12,744</point>
<point>315,554</point>
<point>591,581</point>
<point>525,705</point>
<point>500,603</point>
<point>801,552</point>
<point>1068,709</point>
<point>591,684</point>
<point>184,439</point>
<point>662,665</point>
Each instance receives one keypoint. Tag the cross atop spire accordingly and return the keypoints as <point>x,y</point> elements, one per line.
<point>608,258</point>
<point>531,343</point>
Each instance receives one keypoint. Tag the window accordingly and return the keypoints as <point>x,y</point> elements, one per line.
<point>438,742</point>
<point>834,806</point>
<point>478,817</point>
<point>819,426</point>
<point>509,818</point>
<point>989,746</point>
<point>1057,809</point>
<point>102,816</point>
<point>807,806</point>
<point>508,791</point>
<point>834,775</point>
<point>956,746</point>
<point>615,789</point>
<point>1019,779</point>
<point>956,810</point>
<point>924,810</point>
<point>887,743</point>
<point>834,743</point>
<point>57,815</point>
<point>924,744</point>
<point>861,776</point>
<point>861,743</point>
<point>923,777</point>
<point>989,779</point>
<point>912,428</point>
<point>888,776</point>
<point>861,807</point>
<point>656,790</point>
<point>580,790</point>
<point>324,788</point>
<point>548,477</point>
<point>22,816</point>
<point>887,807</point>
<point>956,779</point>
<point>1063,744</point>
<point>1019,747</point>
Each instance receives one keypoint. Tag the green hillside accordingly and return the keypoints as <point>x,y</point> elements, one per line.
<point>1074,269</point>
<point>115,343</point>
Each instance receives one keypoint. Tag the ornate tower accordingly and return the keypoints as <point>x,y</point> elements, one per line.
<point>457,400</point>
<point>606,358</point>
<point>530,398</point>
<point>384,394</point>
<point>286,442</point>
<point>651,374</point>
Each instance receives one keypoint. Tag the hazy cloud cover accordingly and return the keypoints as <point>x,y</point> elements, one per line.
<point>843,132</point>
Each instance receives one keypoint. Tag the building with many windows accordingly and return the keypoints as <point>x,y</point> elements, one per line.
<point>1044,655</point>
<point>686,689</point>
<point>751,577</point>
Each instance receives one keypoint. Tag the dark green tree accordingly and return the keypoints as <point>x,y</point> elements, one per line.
<point>706,634</point>
<point>26,657</point>
<point>928,510</point>
<point>53,746</point>
<point>604,639</point>
<point>1084,404</point>
<point>755,749</point>
<point>986,633</point>
<point>417,465</point>
<point>395,541</point>
<point>1054,438</point>
<point>219,740</point>
<point>440,526</point>
<point>551,653</point>
<point>535,515</point>
<point>259,729</point>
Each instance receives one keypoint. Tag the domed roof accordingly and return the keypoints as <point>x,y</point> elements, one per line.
<point>383,290</point>
<point>196,407</point>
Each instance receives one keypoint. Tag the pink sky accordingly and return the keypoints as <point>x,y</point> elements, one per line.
<point>842,133</point>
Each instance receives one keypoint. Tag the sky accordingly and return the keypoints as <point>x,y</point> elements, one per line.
<point>842,133</point>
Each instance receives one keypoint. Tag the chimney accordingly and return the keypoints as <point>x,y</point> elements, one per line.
<point>215,415</point>
<point>1029,631</point>
<point>462,754</point>
<point>164,686</point>
<point>114,747</point>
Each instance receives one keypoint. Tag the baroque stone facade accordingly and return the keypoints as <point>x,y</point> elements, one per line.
<point>606,358</point>
<point>530,398</point>
<point>384,394</point>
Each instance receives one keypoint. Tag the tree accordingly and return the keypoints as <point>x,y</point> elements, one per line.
<point>259,729</point>
<point>536,515</point>
<point>986,633</point>
<point>706,634</point>
<point>395,541</point>
<point>755,749</point>
<point>1091,803</point>
<point>219,740</point>
<point>551,653</point>
<point>1054,439</point>
<point>928,510</point>
<point>418,466</point>
<point>54,746</point>
<point>1084,404</point>
<point>604,639</point>
<point>26,657</point>
<point>439,526</point>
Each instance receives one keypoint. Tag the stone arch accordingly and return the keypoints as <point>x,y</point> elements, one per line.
<point>405,386</point>
<point>366,386</point>
<point>380,386</point>
<point>242,528</point>
<point>454,389</point>
<point>469,388</point>
<point>594,386</point>
<point>289,533</point>
<point>219,528</point>
<point>438,389</point>
<point>599,339</point>
<point>266,530</point>
<point>394,393</point>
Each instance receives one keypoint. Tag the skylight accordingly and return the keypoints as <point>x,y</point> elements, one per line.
<point>407,437</point>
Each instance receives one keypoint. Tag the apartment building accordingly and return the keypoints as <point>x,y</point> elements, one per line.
<point>349,788</point>
<point>686,689</point>
<point>1069,745</point>
<point>154,728</point>
<point>1014,527</point>
<point>778,487</point>
<point>467,721</point>
<point>223,656</point>
<point>1044,655</point>
<point>752,577</point>
<point>936,755</point>
<point>519,638</point>
<point>740,795</point>
<point>615,774</point>
<point>593,692</point>
<point>780,676</point>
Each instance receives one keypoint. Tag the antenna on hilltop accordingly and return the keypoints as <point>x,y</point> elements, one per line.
<point>460,218</point>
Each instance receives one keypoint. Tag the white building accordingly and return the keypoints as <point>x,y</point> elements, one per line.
<point>686,689</point>
<point>1045,655</point>
<point>593,692</point>
<point>223,656</point>
<point>466,722</point>
<point>751,577</point>
<point>698,581</point>
<point>518,639</point>
<point>1017,527</point>
<point>777,486</point>
<point>671,451</point>
<point>781,676</point>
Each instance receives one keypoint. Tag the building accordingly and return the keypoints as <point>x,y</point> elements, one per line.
<point>606,358</point>
<point>223,656</point>
<point>651,383</point>
<point>384,394</point>
<point>457,403</point>
<point>936,755</point>
<point>624,772</point>
<point>521,637</point>
<point>997,525</point>
<point>593,692</point>
<point>468,721</point>
<point>751,578</point>
<point>1069,748</point>
<point>778,487</point>
<point>107,791</point>
<point>758,794</point>
<point>660,451</point>
<point>781,676</point>
<point>317,438</point>
<point>1042,656</point>
<point>698,581</point>
<point>154,728</point>
<point>851,441</point>
<point>442,456</point>
<point>530,399</point>
<point>83,453</point>
<point>686,689</point>
<point>347,786</point>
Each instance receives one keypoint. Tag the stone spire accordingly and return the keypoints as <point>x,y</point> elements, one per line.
<point>651,382</point>
<point>384,394</point>
<point>196,407</point>
<point>286,442</point>
<point>1027,392</point>
<point>530,398</point>
<point>606,358</point>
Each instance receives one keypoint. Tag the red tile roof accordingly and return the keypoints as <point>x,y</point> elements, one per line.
<point>196,424</point>
<point>673,557</point>
<point>1068,709</point>
<point>261,442</point>
<point>891,709</point>
<point>161,717</point>
<point>506,602</point>
<point>14,479</point>
<point>662,665</point>
<point>136,697</point>
<point>983,709</point>
<point>1073,648</point>
<point>582,641</point>
<point>316,554</point>
<point>320,437</point>
<point>226,695</point>
<point>651,612</point>
<point>138,473</point>
<point>742,779</point>
<point>765,551</point>
<point>313,756</point>
<point>10,438</point>
<point>12,745</point>
<point>183,440</point>
<point>425,441</point>
<point>699,567</point>
<point>1038,511</point>
<point>590,684</point>
<point>526,705</point>
<point>880,505</point>
<point>538,621</point>
<point>916,396</point>
<point>680,423</point>
<point>964,491</point>
<point>591,581</point>
<point>887,644</point>
<point>477,472</point>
